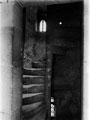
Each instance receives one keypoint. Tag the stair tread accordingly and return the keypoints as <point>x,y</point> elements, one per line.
<point>33,80</point>
<point>28,108</point>
<point>32,85</point>
<point>34,71</point>
<point>35,114</point>
<point>33,89</point>
<point>38,64</point>
<point>33,76</point>
<point>34,68</point>
<point>33,99</point>
<point>40,115</point>
<point>39,61</point>
<point>30,95</point>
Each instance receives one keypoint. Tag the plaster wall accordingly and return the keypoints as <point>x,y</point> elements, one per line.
<point>10,60</point>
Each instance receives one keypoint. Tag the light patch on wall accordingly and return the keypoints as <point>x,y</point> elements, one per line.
<point>42,26</point>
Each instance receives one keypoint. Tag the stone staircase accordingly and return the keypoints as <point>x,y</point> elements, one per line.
<point>33,97</point>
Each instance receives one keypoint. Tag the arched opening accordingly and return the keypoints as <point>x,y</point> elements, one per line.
<point>42,26</point>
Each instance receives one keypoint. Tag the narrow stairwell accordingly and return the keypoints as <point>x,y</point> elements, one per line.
<point>33,98</point>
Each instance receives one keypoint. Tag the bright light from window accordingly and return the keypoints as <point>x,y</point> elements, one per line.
<point>60,23</point>
<point>52,99</point>
<point>52,107</point>
<point>52,110</point>
<point>42,26</point>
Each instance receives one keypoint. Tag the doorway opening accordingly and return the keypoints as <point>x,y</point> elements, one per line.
<point>54,43</point>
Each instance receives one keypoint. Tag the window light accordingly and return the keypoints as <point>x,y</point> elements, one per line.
<point>42,26</point>
<point>52,107</point>
<point>60,23</point>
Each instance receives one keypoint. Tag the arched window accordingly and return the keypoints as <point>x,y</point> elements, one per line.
<point>42,26</point>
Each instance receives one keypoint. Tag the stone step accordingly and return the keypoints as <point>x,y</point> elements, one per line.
<point>34,71</point>
<point>38,64</point>
<point>34,89</point>
<point>28,79</point>
<point>40,115</point>
<point>28,108</point>
<point>35,113</point>
<point>32,99</point>
<point>30,95</point>
<point>32,85</point>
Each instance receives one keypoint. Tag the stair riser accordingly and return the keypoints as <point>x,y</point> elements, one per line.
<point>33,80</point>
<point>35,89</point>
<point>30,107</point>
<point>34,72</point>
<point>38,65</point>
<point>31,114</point>
<point>33,99</point>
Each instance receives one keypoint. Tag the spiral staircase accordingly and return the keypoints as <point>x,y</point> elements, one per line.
<point>33,97</point>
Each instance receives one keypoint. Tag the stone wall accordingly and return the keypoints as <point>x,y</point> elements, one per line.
<point>67,83</point>
<point>34,49</point>
<point>66,44</point>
